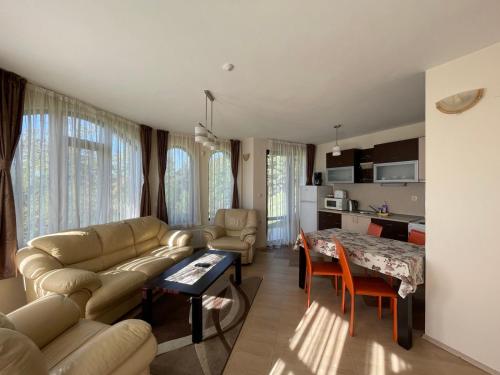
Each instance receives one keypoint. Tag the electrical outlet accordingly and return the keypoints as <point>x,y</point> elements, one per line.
<point>414,198</point>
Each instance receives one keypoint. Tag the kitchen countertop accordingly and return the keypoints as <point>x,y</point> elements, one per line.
<point>394,217</point>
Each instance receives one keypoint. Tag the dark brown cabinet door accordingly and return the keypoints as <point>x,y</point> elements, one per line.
<point>394,230</point>
<point>347,158</point>
<point>327,220</point>
<point>396,151</point>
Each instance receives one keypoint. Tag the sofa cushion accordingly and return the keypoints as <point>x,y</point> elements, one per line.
<point>70,247</point>
<point>71,340</point>
<point>229,243</point>
<point>20,355</point>
<point>145,231</point>
<point>148,265</point>
<point>116,285</point>
<point>175,253</point>
<point>117,242</point>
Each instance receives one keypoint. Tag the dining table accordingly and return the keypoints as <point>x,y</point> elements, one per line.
<point>401,260</point>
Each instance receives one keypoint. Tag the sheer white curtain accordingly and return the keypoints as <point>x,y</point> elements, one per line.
<point>75,165</point>
<point>220,179</point>
<point>286,170</point>
<point>182,181</point>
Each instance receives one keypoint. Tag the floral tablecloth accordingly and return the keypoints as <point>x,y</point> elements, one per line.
<point>402,260</point>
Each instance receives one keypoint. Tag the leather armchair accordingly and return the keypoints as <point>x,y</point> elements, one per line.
<point>48,337</point>
<point>233,230</point>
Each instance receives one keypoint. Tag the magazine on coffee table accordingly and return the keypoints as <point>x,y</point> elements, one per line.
<point>192,273</point>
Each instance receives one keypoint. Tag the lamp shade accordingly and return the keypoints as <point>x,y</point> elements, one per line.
<point>200,139</point>
<point>336,150</point>
<point>200,130</point>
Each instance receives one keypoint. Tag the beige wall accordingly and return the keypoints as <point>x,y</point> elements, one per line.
<point>462,206</point>
<point>399,198</point>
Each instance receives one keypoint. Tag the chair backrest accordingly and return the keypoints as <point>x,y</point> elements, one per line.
<point>234,220</point>
<point>344,264</point>
<point>306,250</point>
<point>375,230</point>
<point>416,237</point>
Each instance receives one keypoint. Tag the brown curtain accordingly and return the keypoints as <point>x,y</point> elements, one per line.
<point>12,88</point>
<point>162,148</point>
<point>311,152</point>
<point>235,156</point>
<point>146,132</point>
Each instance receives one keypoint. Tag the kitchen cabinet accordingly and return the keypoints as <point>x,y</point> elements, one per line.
<point>355,223</point>
<point>347,158</point>
<point>396,151</point>
<point>396,161</point>
<point>328,220</point>
<point>421,159</point>
<point>395,230</point>
<point>343,169</point>
<point>403,171</point>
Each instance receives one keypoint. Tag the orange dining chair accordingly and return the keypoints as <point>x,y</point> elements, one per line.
<point>318,269</point>
<point>365,286</point>
<point>375,230</point>
<point>417,237</point>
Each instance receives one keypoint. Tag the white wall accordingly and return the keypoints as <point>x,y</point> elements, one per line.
<point>462,206</point>
<point>398,197</point>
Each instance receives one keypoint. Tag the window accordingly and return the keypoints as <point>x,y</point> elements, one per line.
<point>182,192</point>
<point>74,166</point>
<point>220,182</point>
<point>285,174</point>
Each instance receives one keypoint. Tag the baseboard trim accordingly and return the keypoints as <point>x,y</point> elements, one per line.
<point>461,355</point>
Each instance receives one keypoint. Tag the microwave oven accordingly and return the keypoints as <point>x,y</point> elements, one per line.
<point>336,204</point>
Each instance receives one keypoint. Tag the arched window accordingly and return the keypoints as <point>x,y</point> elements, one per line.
<point>179,181</point>
<point>220,182</point>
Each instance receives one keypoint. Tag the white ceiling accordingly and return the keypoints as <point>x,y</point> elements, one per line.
<point>300,66</point>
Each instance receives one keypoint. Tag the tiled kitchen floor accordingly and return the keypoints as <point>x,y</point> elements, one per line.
<point>282,337</point>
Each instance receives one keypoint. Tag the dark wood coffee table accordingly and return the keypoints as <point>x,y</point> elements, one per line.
<point>160,285</point>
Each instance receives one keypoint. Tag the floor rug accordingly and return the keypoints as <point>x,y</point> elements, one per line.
<point>225,307</point>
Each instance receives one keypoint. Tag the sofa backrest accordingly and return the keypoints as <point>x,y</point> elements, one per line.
<point>77,248</point>
<point>147,232</point>
<point>99,247</point>
<point>235,220</point>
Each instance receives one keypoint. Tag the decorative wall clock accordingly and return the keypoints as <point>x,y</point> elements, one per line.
<point>460,102</point>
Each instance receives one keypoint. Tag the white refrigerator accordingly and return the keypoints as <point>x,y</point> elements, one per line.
<point>312,198</point>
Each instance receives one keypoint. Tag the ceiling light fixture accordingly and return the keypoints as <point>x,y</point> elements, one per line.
<point>228,67</point>
<point>202,133</point>
<point>336,148</point>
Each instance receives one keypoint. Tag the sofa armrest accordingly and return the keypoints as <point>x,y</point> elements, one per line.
<point>247,232</point>
<point>33,262</point>
<point>113,351</point>
<point>176,238</point>
<point>212,232</point>
<point>68,281</point>
<point>46,318</point>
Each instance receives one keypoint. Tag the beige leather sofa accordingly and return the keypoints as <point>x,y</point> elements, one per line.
<point>234,230</point>
<point>103,267</point>
<point>48,337</point>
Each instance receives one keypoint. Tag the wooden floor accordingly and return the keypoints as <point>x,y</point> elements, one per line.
<point>282,337</point>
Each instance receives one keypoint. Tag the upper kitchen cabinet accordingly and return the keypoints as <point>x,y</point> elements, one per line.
<point>396,161</point>
<point>393,152</point>
<point>421,159</point>
<point>344,168</point>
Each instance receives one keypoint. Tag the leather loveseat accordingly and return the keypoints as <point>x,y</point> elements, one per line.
<point>234,230</point>
<point>48,337</point>
<point>102,267</point>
